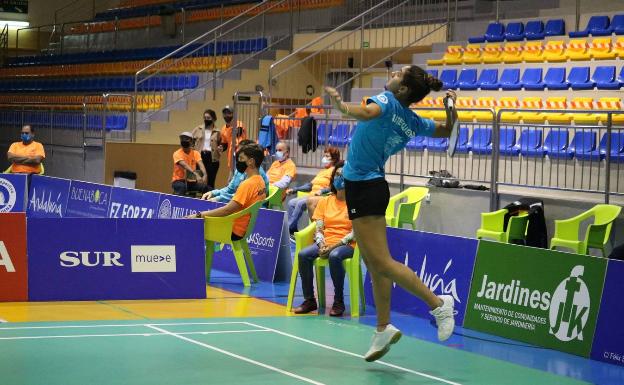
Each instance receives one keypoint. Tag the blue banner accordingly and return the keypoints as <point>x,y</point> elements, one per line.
<point>130,203</point>
<point>444,263</point>
<point>47,197</point>
<point>609,336</point>
<point>12,193</point>
<point>88,200</point>
<point>98,259</point>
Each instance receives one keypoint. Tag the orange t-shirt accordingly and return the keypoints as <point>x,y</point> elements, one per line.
<point>249,192</point>
<point>226,138</point>
<point>191,159</point>
<point>322,180</point>
<point>279,169</point>
<point>334,214</point>
<point>31,149</point>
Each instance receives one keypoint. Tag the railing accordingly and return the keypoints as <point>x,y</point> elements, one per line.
<point>4,44</point>
<point>358,46</point>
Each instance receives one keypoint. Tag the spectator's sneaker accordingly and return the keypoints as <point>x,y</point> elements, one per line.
<point>445,317</point>
<point>380,344</point>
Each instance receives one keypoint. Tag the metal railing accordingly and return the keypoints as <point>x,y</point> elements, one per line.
<point>357,46</point>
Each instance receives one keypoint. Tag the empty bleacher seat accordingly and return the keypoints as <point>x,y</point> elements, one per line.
<point>417,143</point>
<point>481,141</point>
<point>534,30</point>
<point>467,79</point>
<point>512,53</point>
<point>557,103</point>
<point>611,104</point>
<point>452,55</point>
<point>507,143</point>
<point>578,50</point>
<point>618,47</point>
<point>532,79</point>
<point>597,25</point>
<point>602,49</point>
<point>494,32</point>
<point>340,135</point>
<point>555,27</point>
<point>472,54</point>
<point>617,24</point>
<point>449,79</point>
<point>533,52</point>
<point>463,144</point>
<point>433,73</point>
<point>554,51</point>
<point>556,143</point>
<point>579,79</point>
<point>583,142</point>
<point>465,102</point>
<point>488,79</point>
<point>532,103</point>
<point>484,102</point>
<point>492,53</point>
<point>530,142</point>
<point>555,79</point>
<point>322,133</point>
<point>509,102</point>
<point>510,79</point>
<point>587,104</point>
<point>604,77</point>
<point>436,144</point>
<point>514,31</point>
<point>598,154</point>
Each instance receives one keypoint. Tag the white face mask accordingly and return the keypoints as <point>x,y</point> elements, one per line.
<point>325,161</point>
<point>279,155</point>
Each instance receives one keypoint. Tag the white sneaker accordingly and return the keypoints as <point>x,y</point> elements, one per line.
<point>381,341</point>
<point>445,317</point>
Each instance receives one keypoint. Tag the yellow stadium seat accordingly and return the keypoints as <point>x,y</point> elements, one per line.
<point>610,103</point>
<point>426,102</point>
<point>554,51</point>
<point>584,103</point>
<point>533,103</point>
<point>472,54</point>
<point>618,47</point>
<point>533,52</point>
<point>492,53</point>
<point>465,102</point>
<point>484,102</point>
<point>509,102</point>
<point>453,55</point>
<point>578,49</point>
<point>512,53</point>
<point>557,103</point>
<point>440,114</point>
<point>602,48</point>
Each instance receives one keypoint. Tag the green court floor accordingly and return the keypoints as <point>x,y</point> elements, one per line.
<point>281,350</point>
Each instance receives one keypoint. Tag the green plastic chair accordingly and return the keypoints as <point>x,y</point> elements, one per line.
<point>219,230</point>
<point>275,199</point>
<point>492,225</point>
<point>597,235</point>
<point>407,212</point>
<point>352,266</point>
<point>9,170</point>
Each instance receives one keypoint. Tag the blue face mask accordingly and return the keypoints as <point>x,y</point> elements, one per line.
<point>339,183</point>
<point>279,155</point>
<point>26,138</point>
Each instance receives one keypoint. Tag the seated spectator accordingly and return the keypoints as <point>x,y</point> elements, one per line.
<point>226,133</point>
<point>185,161</point>
<point>225,194</point>
<point>251,190</point>
<point>26,156</point>
<point>333,240</point>
<point>206,140</point>
<point>319,186</point>
<point>283,170</point>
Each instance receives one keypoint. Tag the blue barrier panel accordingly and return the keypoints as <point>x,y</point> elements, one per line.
<point>98,259</point>
<point>444,263</point>
<point>609,337</point>
<point>130,203</point>
<point>47,197</point>
<point>12,193</point>
<point>88,200</point>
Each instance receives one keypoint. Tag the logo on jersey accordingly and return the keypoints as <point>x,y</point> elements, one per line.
<point>382,98</point>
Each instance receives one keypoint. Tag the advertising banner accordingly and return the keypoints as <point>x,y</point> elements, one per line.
<point>12,193</point>
<point>79,259</point>
<point>13,263</point>
<point>88,200</point>
<point>444,263</point>
<point>175,206</point>
<point>609,338</point>
<point>542,297</point>
<point>47,197</point>
<point>130,203</point>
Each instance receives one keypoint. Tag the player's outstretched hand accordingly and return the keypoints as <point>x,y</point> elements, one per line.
<point>335,98</point>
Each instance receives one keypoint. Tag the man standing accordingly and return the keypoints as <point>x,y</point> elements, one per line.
<point>207,140</point>
<point>226,132</point>
<point>26,156</point>
<point>185,162</point>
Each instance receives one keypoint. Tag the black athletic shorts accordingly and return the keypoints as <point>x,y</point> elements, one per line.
<point>367,197</point>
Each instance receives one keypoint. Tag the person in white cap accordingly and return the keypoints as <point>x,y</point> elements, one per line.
<point>185,162</point>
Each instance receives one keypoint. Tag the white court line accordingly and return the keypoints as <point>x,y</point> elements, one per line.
<point>120,325</point>
<point>249,360</point>
<point>355,355</point>
<point>131,334</point>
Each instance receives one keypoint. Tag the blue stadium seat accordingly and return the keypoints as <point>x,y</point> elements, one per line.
<point>433,73</point>
<point>510,79</point>
<point>556,144</point>
<point>617,24</point>
<point>579,79</point>
<point>417,143</point>
<point>495,32</point>
<point>463,143</point>
<point>597,26</point>
<point>468,79</point>
<point>530,143</point>
<point>191,82</point>
<point>340,135</point>
<point>322,133</point>
<point>488,79</point>
<point>532,79</point>
<point>584,142</point>
<point>604,77</point>
<point>481,141</point>
<point>514,31</point>
<point>449,79</point>
<point>436,144</point>
<point>617,148</point>
<point>534,30</point>
<point>555,27</point>
<point>555,79</point>
<point>507,144</point>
